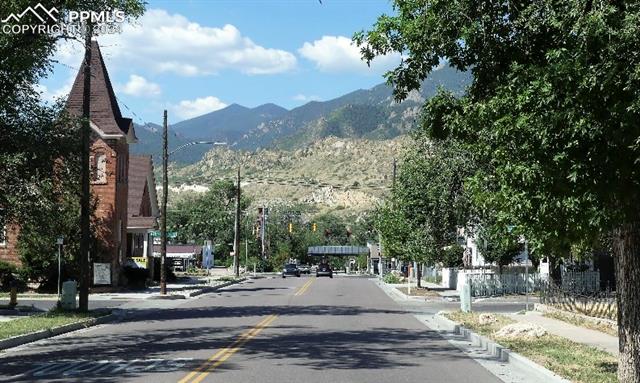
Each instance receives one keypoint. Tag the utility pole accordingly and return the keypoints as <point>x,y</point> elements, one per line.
<point>165,190</point>
<point>236,238</point>
<point>85,196</point>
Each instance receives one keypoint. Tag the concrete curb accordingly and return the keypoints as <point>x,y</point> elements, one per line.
<point>169,297</point>
<point>211,289</point>
<point>397,295</point>
<point>203,290</point>
<point>48,333</point>
<point>497,351</point>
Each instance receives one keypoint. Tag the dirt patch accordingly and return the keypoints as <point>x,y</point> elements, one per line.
<point>418,292</point>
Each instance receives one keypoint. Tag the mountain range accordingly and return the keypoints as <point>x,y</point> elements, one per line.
<point>363,114</point>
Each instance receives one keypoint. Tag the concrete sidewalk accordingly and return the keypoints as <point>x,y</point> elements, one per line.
<point>577,334</point>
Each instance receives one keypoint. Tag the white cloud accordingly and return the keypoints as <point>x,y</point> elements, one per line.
<point>304,97</point>
<point>340,54</point>
<point>139,86</point>
<point>60,93</point>
<point>192,108</point>
<point>166,42</point>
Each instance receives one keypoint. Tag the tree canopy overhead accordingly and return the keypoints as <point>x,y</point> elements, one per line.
<point>552,114</point>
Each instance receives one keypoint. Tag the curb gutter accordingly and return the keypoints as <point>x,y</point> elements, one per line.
<point>497,351</point>
<point>210,289</point>
<point>48,333</point>
<point>203,290</point>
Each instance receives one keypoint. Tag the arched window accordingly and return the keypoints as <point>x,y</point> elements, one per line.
<point>100,168</point>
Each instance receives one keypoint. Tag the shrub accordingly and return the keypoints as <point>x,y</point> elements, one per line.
<point>11,273</point>
<point>391,278</point>
<point>433,279</point>
<point>262,265</point>
<point>7,271</point>
<point>136,276</point>
<point>171,276</point>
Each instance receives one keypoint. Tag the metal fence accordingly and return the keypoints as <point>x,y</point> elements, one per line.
<point>600,304</point>
<point>490,284</point>
<point>493,284</point>
<point>581,282</point>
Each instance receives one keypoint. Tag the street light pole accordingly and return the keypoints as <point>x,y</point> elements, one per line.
<point>165,193</point>
<point>163,228</point>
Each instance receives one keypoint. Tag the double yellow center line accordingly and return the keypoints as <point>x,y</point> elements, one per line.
<point>303,288</point>
<point>219,357</point>
<point>197,375</point>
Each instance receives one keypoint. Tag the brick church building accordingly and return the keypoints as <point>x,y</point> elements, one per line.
<point>111,135</point>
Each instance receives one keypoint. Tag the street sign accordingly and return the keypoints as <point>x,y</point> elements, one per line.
<point>60,240</point>
<point>170,234</point>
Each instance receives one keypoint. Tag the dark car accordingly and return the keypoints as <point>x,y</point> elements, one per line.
<point>290,269</point>
<point>324,270</point>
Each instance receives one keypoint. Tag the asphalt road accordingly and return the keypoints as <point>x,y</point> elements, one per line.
<point>266,330</point>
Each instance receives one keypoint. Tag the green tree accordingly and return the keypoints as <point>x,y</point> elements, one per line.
<point>553,109</point>
<point>39,231</point>
<point>498,245</point>
<point>209,216</point>
<point>428,203</point>
<point>34,135</point>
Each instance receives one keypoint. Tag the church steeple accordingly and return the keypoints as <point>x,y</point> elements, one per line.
<point>105,112</point>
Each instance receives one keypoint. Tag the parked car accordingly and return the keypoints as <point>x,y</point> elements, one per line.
<point>304,269</point>
<point>324,270</point>
<point>290,269</point>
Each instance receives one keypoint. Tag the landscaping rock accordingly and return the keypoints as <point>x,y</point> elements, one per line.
<point>521,330</point>
<point>486,318</point>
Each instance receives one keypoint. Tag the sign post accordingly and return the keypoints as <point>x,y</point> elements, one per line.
<point>59,242</point>
<point>526,276</point>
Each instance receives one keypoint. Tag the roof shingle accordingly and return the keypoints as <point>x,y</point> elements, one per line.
<point>104,109</point>
<point>140,168</point>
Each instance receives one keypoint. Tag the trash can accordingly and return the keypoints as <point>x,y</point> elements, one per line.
<point>68,299</point>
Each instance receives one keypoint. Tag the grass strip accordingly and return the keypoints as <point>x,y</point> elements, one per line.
<point>49,320</point>
<point>582,322</point>
<point>573,361</point>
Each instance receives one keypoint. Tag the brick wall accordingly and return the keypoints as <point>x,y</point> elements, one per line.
<point>8,249</point>
<point>110,215</point>
<point>111,205</point>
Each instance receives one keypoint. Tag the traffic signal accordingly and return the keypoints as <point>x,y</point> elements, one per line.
<point>290,227</point>
<point>314,227</point>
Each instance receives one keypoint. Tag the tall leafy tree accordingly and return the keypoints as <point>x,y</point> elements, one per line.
<point>428,203</point>
<point>553,109</point>
<point>33,135</point>
<point>209,216</point>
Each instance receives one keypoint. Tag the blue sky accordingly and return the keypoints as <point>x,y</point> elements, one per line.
<point>195,56</point>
